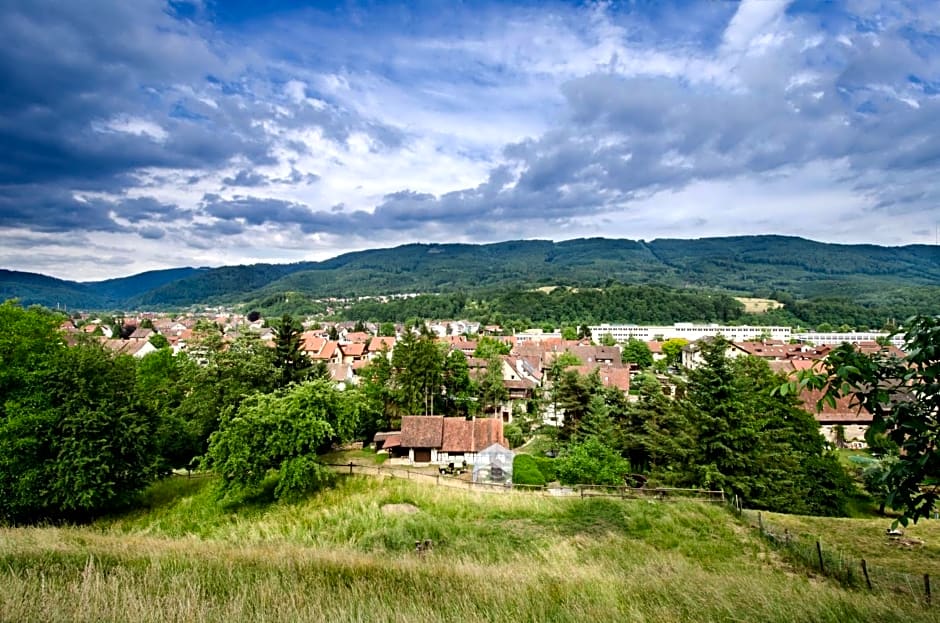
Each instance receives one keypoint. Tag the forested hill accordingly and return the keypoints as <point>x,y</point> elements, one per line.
<point>747,265</point>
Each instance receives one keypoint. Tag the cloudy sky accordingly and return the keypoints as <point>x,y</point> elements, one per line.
<point>154,134</point>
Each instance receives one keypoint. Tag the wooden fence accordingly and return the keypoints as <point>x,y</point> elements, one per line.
<point>849,570</point>
<point>578,491</point>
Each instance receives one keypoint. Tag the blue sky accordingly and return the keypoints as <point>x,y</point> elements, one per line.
<point>156,134</point>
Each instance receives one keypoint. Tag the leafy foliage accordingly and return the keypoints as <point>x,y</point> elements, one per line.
<point>525,471</point>
<point>638,352</point>
<point>591,462</point>
<point>903,397</point>
<point>74,440</point>
<point>281,431</point>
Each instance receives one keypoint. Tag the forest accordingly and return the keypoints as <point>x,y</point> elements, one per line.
<point>870,283</point>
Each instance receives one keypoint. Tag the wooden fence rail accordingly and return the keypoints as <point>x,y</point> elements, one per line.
<point>580,491</point>
<point>848,570</point>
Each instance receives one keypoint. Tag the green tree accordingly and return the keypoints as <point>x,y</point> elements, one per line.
<point>672,349</point>
<point>658,436</point>
<point>492,390</point>
<point>875,477</point>
<point>387,329</point>
<point>281,432</point>
<point>161,387</point>
<point>290,359</point>
<point>754,443</point>
<point>569,333</point>
<point>490,346</point>
<point>458,386</point>
<point>218,376</point>
<point>573,397</point>
<point>638,352</point>
<point>591,462</point>
<point>159,341</point>
<point>584,332</point>
<point>74,440</point>
<point>378,397</point>
<point>608,340</point>
<point>417,368</point>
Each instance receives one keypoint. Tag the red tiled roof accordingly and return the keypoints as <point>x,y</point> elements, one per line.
<point>452,434</point>
<point>422,431</point>
<point>610,376</point>
<point>141,334</point>
<point>356,349</point>
<point>458,435</point>
<point>843,413</point>
<point>311,343</point>
<point>461,435</point>
<point>358,337</point>
<point>327,352</point>
<point>377,343</point>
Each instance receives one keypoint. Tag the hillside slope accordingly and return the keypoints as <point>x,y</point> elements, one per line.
<point>348,554</point>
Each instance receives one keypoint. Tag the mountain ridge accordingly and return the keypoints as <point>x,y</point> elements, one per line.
<point>738,264</point>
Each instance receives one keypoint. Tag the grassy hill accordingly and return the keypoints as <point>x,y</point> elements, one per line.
<point>347,554</point>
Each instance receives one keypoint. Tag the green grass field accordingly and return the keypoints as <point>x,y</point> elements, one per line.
<point>916,553</point>
<point>348,554</point>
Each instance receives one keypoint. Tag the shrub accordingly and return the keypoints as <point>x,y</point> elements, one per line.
<point>525,471</point>
<point>513,435</point>
<point>547,467</point>
<point>591,463</point>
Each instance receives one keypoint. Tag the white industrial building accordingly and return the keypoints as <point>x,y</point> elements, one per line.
<point>852,337</point>
<point>689,331</point>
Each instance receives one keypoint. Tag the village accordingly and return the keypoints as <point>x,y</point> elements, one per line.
<point>526,361</point>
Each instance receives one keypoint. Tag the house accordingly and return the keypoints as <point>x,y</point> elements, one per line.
<point>609,376</point>
<point>852,418</point>
<point>378,344</point>
<point>356,337</point>
<point>320,349</point>
<point>387,441</point>
<point>353,352</point>
<point>135,348</point>
<point>442,440</point>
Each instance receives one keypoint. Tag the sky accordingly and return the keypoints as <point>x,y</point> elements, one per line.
<point>157,134</point>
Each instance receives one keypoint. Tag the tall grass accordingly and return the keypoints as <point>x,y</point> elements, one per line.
<point>340,557</point>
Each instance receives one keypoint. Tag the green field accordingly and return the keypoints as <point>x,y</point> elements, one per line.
<point>348,554</point>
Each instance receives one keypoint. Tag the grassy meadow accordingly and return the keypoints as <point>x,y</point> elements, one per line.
<point>348,554</point>
<point>916,552</point>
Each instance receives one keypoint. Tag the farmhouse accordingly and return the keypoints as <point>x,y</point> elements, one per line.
<point>442,440</point>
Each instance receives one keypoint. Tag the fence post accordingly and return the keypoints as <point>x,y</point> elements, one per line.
<point>822,568</point>
<point>865,572</point>
<point>350,468</point>
<point>927,587</point>
<point>760,522</point>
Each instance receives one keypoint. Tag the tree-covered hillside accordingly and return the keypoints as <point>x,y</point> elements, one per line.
<point>779,266</point>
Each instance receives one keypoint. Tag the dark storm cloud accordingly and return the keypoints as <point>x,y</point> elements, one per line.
<point>43,209</point>
<point>146,209</point>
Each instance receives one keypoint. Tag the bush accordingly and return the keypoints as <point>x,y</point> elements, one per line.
<point>525,471</point>
<point>591,463</point>
<point>547,467</point>
<point>513,435</point>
